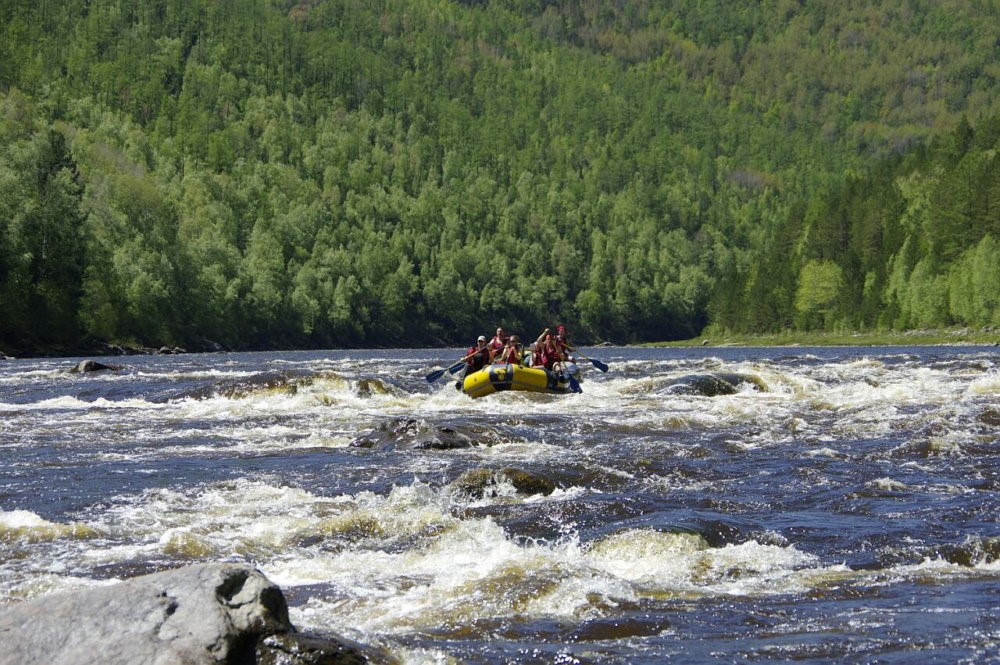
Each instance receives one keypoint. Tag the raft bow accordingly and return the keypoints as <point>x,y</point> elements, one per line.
<point>496,378</point>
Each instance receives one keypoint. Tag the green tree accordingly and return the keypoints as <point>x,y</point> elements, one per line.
<point>974,285</point>
<point>819,285</point>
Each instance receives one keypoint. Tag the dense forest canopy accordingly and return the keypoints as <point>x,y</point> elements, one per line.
<point>268,173</point>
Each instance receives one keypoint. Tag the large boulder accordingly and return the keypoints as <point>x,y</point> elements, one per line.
<point>203,614</point>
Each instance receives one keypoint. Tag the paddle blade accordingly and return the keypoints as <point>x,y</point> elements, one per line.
<point>438,373</point>
<point>574,385</point>
<point>598,364</point>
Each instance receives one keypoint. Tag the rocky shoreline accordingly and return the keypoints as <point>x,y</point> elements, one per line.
<point>105,349</point>
<point>206,614</point>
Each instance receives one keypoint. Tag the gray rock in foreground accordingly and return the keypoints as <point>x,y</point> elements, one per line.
<point>211,613</point>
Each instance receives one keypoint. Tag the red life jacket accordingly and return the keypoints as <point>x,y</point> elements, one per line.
<point>536,357</point>
<point>551,354</point>
<point>496,345</point>
<point>510,355</point>
<point>479,360</point>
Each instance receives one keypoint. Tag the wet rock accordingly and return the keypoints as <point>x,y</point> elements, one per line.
<point>272,382</point>
<point>529,483</point>
<point>973,552</point>
<point>619,628</point>
<point>169,350</point>
<point>205,345</point>
<point>990,417</point>
<point>718,533</point>
<point>413,433</point>
<point>198,615</point>
<point>371,387</point>
<point>712,385</point>
<point>737,379</point>
<point>202,614</point>
<point>443,438</point>
<point>298,649</point>
<point>478,482</point>
<point>386,433</point>
<point>93,366</point>
<point>988,484</point>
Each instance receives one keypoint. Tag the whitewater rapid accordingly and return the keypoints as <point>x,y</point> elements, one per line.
<point>832,492</point>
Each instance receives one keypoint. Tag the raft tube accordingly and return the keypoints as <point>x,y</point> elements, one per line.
<point>495,378</point>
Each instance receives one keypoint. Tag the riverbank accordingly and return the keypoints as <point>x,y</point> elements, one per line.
<point>945,337</point>
<point>956,336</point>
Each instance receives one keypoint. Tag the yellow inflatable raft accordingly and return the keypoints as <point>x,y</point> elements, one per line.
<point>514,377</point>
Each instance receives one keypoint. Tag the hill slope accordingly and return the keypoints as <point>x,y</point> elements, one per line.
<point>270,173</point>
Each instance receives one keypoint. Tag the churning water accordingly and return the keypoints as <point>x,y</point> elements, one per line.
<point>704,505</point>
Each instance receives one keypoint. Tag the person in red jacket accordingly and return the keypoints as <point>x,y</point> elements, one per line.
<point>549,353</point>
<point>538,348</point>
<point>512,352</point>
<point>478,356</point>
<point>562,341</point>
<point>498,342</point>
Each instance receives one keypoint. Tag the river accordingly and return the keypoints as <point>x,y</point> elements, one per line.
<point>840,504</point>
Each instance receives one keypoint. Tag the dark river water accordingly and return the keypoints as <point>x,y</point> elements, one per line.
<point>819,505</point>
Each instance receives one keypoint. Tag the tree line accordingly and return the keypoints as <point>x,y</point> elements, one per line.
<point>914,242</point>
<point>268,173</point>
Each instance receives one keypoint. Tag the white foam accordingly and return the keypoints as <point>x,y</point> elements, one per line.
<point>473,570</point>
<point>987,385</point>
<point>888,484</point>
<point>26,526</point>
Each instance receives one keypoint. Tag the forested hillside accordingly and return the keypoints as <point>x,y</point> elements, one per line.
<point>913,243</point>
<point>267,173</point>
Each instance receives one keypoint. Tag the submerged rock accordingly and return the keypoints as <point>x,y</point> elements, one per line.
<point>204,614</point>
<point>93,366</point>
<point>371,387</point>
<point>443,438</point>
<point>268,382</point>
<point>973,552</point>
<point>990,416</point>
<point>414,433</point>
<point>476,482</point>
<point>386,433</point>
<point>712,385</point>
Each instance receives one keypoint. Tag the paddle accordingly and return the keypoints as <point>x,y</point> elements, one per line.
<point>596,363</point>
<point>563,370</point>
<point>574,385</point>
<point>438,373</point>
